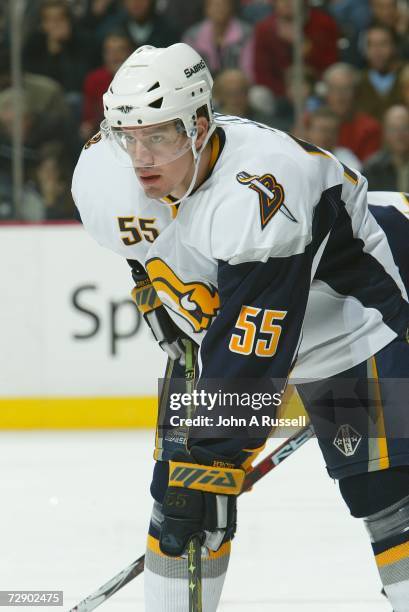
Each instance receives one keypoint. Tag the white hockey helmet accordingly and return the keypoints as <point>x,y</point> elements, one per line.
<point>158,86</point>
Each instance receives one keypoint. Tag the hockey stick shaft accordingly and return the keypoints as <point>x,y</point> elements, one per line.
<point>194,572</point>
<point>194,551</point>
<point>277,456</point>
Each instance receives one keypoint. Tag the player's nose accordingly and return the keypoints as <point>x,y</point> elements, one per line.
<point>140,154</point>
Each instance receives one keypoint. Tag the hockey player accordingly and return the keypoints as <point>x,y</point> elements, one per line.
<point>260,248</point>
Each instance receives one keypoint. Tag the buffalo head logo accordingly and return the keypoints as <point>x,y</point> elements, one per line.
<point>270,193</point>
<point>196,302</point>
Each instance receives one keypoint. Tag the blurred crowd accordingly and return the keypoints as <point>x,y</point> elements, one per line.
<point>355,90</point>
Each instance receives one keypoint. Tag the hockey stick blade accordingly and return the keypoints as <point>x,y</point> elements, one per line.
<point>111,587</point>
<point>136,568</point>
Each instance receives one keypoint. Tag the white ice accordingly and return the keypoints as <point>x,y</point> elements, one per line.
<point>75,507</point>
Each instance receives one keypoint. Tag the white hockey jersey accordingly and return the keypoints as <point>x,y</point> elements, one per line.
<point>274,263</point>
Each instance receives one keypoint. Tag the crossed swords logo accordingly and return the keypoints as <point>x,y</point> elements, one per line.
<point>271,195</point>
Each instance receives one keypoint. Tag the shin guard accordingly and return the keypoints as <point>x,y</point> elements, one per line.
<point>389,533</point>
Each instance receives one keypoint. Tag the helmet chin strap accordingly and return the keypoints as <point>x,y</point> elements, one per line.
<point>197,155</point>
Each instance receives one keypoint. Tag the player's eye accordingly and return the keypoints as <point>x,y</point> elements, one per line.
<point>128,138</point>
<point>156,139</point>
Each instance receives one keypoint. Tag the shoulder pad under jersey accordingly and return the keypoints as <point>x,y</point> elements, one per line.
<point>264,191</point>
<point>112,204</point>
<point>398,200</point>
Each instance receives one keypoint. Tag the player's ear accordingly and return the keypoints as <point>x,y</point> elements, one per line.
<point>202,129</point>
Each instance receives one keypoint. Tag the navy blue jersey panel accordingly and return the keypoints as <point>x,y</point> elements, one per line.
<point>278,284</point>
<point>396,228</point>
<point>349,270</point>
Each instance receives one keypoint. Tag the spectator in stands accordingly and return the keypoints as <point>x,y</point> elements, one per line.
<point>44,96</point>
<point>394,15</point>
<point>181,14</point>
<point>350,15</point>
<point>388,13</point>
<point>52,182</point>
<point>7,117</point>
<point>391,13</point>
<point>284,107</point>
<point>47,116</point>
<point>379,86</point>
<point>141,22</point>
<point>31,206</point>
<point>389,169</point>
<point>36,136</point>
<point>99,14</point>
<point>58,51</point>
<point>322,130</point>
<point>232,94</point>
<point>255,10</point>
<point>274,40</point>
<point>116,48</point>
<point>353,17</point>
<point>37,128</point>
<point>358,131</point>
<point>92,15</point>
<point>222,39</point>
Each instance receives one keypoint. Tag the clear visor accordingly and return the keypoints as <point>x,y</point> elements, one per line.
<point>150,146</point>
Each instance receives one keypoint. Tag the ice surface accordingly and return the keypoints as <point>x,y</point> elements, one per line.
<point>75,507</point>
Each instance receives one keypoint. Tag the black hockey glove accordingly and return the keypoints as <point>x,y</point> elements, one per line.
<point>200,501</point>
<point>151,308</point>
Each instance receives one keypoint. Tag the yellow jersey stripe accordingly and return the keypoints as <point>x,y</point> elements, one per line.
<point>380,423</point>
<point>215,151</point>
<point>350,178</point>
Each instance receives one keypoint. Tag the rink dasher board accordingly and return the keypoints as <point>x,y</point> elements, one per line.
<point>74,351</point>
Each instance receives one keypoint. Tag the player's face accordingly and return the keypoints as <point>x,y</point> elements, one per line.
<point>173,177</point>
<point>163,180</point>
<point>153,146</point>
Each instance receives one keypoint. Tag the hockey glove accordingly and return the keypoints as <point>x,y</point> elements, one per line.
<point>151,308</point>
<point>200,501</point>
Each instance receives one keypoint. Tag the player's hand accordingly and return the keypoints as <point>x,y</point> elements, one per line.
<point>153,311</point>
<point>200,501</point>
<point>189,513</point>
<point>166,333</point>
